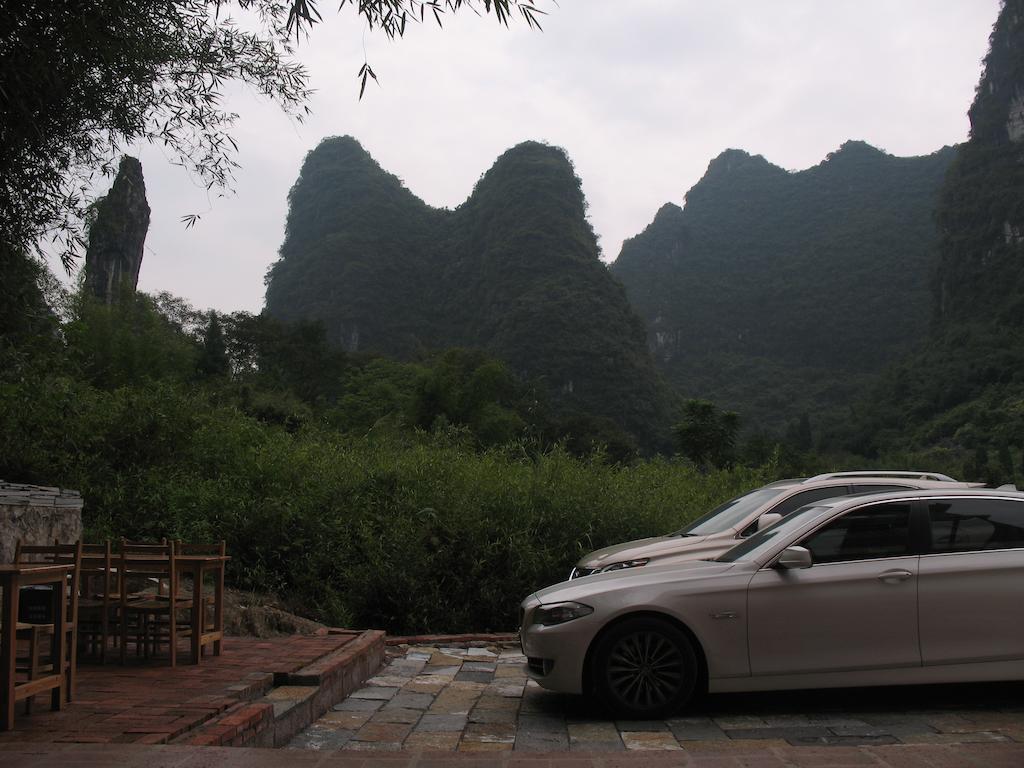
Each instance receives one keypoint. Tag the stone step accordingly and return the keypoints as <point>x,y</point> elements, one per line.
<point>297,698</point>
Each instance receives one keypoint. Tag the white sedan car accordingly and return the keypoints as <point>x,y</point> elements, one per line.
<point>920,586</point>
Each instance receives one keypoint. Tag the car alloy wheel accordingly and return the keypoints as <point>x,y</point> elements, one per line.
<point>644,668</point>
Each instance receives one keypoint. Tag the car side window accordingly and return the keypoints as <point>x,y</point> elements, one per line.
<point>880,530</point>
<point>802,499</point>
<point>976,525</point>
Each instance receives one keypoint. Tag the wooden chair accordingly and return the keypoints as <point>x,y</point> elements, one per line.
<point>152,618</point>
<point>99,600</point>
<point>33,632</point>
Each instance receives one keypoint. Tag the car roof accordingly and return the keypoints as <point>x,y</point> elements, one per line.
<point>922,493</point>
<point>917,479</point>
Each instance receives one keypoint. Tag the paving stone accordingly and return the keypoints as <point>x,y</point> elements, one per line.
<point>899,731</point>
<point>641,725</point>
<point>539,724</point>
<point>511,691</point>
<point>832,740</point>
<point>484,746</point>
<point>432,740</point>
<point>534,741</point>
<point>447,670</point>
<point>496,733</point>
<point>352,704</point>
<point>653,740</point>
<point>453,702</point>
<point>794,732</point>
<point>372,746</point>
<point>387,681</point>
<point>468,686</point>
<point>377,693</point>
<point>435,723</point>
<point>485,652</point>
<point>321,739</point>
<point>346,720</point>
<point>512,671</point>
<point>492,715</point>
<point>396,716</point>
<point>479,666</point>
<point>739,722</point>
<point>488,701</point>
<point>953,738</point>
<point>696,729</point>
<point>392,733</point>
<point>405,668</point>
<point>474,677</point>
<point>593,732</point>
<point>406,700</point>
<point>433,686</point>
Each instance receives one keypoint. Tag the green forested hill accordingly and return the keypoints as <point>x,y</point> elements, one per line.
<point>963,390</point>
<point>513,271</point>
<point>777,293</point>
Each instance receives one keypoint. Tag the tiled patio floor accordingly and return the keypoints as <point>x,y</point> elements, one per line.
<point>152,703</point>
<point>466,699</point>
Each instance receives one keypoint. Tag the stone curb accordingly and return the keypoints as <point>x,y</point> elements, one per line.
<point>487,639</point>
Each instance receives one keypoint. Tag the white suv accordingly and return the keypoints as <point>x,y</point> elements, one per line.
<point>721,528</point>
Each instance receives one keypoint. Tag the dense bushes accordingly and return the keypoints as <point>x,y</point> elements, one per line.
<point>412,532</point>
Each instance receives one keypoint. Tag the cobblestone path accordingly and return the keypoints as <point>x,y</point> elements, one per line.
<point>473,699</point>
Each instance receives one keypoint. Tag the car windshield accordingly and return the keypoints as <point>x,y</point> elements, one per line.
<point>730,514</point>
<point>756,545</point>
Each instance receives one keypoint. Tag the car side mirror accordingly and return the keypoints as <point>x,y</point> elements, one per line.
<point>794,557</point>
<point>767,520</point>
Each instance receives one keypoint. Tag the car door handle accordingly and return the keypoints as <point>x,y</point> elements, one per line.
<point>894,577</point>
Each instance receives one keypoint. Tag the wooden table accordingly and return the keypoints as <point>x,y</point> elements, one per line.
<point>196,566</point>
<point>12,579</point>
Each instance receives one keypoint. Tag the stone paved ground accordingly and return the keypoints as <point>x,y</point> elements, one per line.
<point>478,699</point>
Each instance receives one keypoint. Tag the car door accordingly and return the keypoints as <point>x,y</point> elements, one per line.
<point>854,608</point>
<point>971,582</point>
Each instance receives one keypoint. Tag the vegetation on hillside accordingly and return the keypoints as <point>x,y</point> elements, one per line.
<point>363,491</point>
<point>962,392</point>
<point>777,293</point>
<point>513,271</point>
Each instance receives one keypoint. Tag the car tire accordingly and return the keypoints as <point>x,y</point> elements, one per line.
<point>644,668</point>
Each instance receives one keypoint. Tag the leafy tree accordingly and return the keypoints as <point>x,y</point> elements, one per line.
<point>213,357</point>
<point>706,434</point>
<point>81,79</point>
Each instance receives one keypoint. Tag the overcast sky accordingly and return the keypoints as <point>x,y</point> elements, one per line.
<point>641,94</point>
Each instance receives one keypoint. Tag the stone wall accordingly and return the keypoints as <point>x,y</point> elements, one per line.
<point>36,514</point>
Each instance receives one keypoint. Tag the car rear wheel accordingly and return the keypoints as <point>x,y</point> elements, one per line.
<point>644,668</point>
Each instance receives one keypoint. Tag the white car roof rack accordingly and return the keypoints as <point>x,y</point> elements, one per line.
<point>936,476</point>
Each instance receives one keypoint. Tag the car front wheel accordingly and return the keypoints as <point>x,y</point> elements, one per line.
<point>644,668</point>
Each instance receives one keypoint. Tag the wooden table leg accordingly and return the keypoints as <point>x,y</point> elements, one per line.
<point>198,609</point>
<point>218,608</point>
<point>7,653</point>
<point>58,650</point>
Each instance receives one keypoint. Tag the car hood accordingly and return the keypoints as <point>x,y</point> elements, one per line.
<point>630,578</point>
<point>653,547</point>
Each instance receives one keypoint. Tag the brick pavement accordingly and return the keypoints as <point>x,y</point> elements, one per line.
<point>735,755</point>
<point>478,700</point>
<point>151,703</point>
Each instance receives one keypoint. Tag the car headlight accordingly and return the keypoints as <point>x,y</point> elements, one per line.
<point>625,564</point>
<point>559,613</point>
